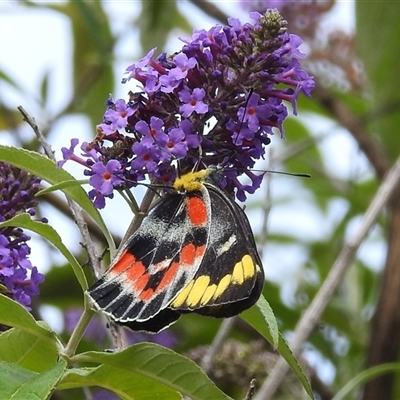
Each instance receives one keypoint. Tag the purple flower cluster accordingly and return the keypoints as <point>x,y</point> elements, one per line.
<point>216,101</point>
<point>18,278</point>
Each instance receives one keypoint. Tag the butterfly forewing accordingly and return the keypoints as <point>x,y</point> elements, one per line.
<point>159,258</point>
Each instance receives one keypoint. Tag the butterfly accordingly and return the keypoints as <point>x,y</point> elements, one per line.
<point>194,252</point>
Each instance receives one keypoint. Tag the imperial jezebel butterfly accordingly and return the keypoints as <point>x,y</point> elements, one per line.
<point>194,252</point>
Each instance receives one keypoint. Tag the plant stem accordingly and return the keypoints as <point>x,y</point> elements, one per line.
<point>79,330</point>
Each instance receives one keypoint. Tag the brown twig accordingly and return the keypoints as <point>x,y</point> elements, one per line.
<point>210,9</point>
<point>252,390</point>
<point>32,123</point>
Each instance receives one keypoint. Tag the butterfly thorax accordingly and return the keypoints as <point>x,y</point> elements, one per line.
<point>193,181</point>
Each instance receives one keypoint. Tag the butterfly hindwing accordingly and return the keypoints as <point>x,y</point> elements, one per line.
<point>230,277</point>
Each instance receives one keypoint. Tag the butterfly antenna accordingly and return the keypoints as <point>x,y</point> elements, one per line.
<point>300,175</point>
<point>245,109</point>
<point>199,160</point>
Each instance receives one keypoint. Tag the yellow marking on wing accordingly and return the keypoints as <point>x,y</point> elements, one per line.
<point>180,299</point>
<point>198,290</point>
<point>208,294</point>
<point>222,286</point>
<point>238,273</point>
<point>249,267</point>
<point>243,270</point>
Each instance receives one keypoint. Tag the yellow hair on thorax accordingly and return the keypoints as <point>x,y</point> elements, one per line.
<point>191,181</point>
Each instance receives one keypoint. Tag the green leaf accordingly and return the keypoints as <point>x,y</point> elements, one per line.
<point>62,185</point>
<point>126,384</point>
<point>157,20</point>
<point>44,88</point>
<point>365,376</point>
<point>21,384</point>
<point>49,233</point>
<point>381,65</point>
<point>28,351</point>
<point>12,378</point>
<point>46,169</point>
<point>262,318</point>
<point>61,289</point>
<point>161,365</point>
<point>15,315</point>
<point>12,82</point>
<point>286,353</point>
<point>92,45</point>
<point>10,117</point>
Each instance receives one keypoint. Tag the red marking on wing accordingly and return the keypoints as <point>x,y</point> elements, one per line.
<point>141,282</point>
<point>146,295</point>
<point>188,254</point>
<point>131,271</point>
<point>168,277</point>
<point>197,211</point>
<point>136,272</point>
<point>125,261</point>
